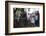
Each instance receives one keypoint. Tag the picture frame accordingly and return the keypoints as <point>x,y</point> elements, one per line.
<point>11,6</point>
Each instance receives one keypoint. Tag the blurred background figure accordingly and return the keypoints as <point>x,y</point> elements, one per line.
<point>37,18</point>
<point>33,19</point>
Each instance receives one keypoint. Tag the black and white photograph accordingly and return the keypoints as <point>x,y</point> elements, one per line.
<point>26,17</point>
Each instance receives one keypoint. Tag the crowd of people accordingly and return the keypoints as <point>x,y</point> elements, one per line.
<point>21,18</point>
<point>34,18</point>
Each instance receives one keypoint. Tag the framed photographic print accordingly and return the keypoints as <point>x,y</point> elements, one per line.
<point>24,17</point>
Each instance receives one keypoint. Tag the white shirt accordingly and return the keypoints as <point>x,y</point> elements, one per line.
<point>32,20</point>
